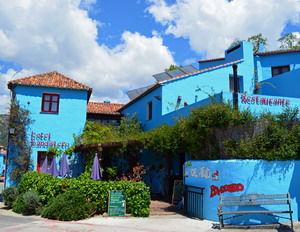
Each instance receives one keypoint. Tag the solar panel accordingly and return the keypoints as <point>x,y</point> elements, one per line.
<point>175,73</point>
<point>189,69</point>
<point>132,94</point>
<point>162,76</point>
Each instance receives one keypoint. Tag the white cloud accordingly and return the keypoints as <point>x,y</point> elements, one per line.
<point>43,35</point>
<point>212,25</point>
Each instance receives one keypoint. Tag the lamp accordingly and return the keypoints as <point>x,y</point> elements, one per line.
<point>157,97</point>
<point>11,130</point>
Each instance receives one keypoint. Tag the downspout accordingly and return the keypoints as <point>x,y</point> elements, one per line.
<point>235,86</point>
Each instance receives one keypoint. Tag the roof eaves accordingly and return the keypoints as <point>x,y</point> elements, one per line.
<point>211,60</point>
<point>157,85</point>
<point>202,70</point>
<point>277,52</point>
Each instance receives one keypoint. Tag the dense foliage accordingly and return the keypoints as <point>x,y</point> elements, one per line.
<point>196,134</point>
<point>10,194</point>
<point>47,187</point>
<point>20,161</point>
<point>28,203</point>
<point>69,206</point>
<point>279,139</point>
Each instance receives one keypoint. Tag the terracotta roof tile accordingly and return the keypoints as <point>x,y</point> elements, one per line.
<point>202,70</point>
<point>103,108</point>
<point>52,79</point>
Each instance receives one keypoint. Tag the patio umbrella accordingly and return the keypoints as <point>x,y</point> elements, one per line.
<point>44,168</point>
<point>96,173</point>
<point>53,168</point>
<point>64,167</point>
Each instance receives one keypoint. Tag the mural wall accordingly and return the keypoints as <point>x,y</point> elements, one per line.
<point>238,177</point>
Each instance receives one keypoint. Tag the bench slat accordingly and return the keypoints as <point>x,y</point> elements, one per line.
<point>255,196</point>
<point>255,202</point>
<point>253,212</point>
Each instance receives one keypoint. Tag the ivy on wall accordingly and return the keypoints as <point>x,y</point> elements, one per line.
<point>275,137</point>
<point>19,148</point>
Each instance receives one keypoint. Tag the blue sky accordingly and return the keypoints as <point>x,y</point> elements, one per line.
<point>117,45</point>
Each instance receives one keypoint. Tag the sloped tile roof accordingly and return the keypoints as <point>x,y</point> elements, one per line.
<point>103,108</point>
<point>203,70</point>
<point>52,79</point>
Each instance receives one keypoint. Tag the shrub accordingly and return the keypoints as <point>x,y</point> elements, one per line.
<point>69,206</point>
<point>28,203</point>
<point>10,194</point>
<point>18,205</point>
<point>45,185</point>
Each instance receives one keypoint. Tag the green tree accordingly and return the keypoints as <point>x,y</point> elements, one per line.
<point>289,41</point>
<point>172,67</point>
<point>255,40</point>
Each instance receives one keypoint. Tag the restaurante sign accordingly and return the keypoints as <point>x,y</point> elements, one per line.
<point>258,100</point>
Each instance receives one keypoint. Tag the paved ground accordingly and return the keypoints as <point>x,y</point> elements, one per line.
<point>10,222</point>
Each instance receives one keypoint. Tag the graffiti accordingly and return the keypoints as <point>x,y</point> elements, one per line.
<point>264,101</point>
<point>215,175</point>
<point>200,172</point>
<point>43,140</point>
<point>214,190</point>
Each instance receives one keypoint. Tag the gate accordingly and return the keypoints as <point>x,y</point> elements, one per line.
<point>193,201</point>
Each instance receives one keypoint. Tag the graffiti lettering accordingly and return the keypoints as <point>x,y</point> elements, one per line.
<point>264,101</point>
<point>200,172</point>
<point>214,190</point>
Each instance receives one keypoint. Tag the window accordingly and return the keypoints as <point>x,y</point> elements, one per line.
<point>50,102</point>
<point>279,70</point>
<point>41,158</point>
<point>231,84</point>
<point>149,110</point>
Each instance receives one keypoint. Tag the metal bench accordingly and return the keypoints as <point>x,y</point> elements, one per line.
<point>255,200</point>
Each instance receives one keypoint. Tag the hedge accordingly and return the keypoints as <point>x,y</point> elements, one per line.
<point>137,194</point>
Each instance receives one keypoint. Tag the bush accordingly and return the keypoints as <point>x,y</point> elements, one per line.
<point>137,195</point>
<point>69,206</point>
<point>18,205</point>
<point>47,187</point>
<point>10,194</point>
<point>28,203</point>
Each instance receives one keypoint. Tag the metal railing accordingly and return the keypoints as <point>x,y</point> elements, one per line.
<point>193,201</point>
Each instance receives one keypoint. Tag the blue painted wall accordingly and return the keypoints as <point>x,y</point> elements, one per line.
<point>251,176</point>
<point>53,128</point>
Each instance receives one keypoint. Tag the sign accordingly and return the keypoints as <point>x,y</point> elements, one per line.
<point>258,100</point>
<point>116,204</point>
<point>177,191</point>
<point>45,140</point>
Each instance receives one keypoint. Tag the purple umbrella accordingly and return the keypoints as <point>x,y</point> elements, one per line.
<point>44,168</point>
<point>64,167</point>
<point>96,173</point>
<point>53,168</point>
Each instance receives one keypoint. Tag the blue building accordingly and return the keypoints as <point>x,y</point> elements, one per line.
<point>58,108</point>
<point>266,81</point>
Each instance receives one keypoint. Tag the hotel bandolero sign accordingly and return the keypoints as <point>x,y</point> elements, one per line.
<point>45,140</point>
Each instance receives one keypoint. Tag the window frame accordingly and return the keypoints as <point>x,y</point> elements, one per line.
<point>279,68</point>
<point>50,102</point>
<point>149,110</point>
<point>41,156</point>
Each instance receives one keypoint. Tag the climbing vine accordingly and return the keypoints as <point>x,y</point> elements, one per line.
<point>19,147</point>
